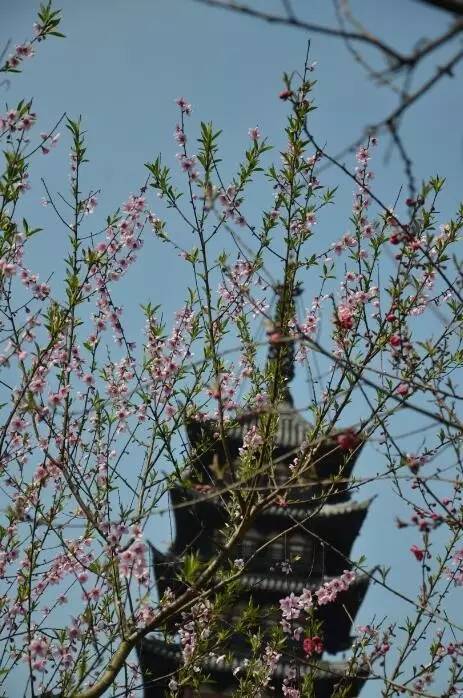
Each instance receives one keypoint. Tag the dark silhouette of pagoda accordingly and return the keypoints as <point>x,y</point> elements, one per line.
<point>317,549</point>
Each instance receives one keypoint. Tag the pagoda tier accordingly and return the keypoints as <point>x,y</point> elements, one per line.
<point>267,587</point>
<point>321,539</point>
<point>321,536</point>
<point>328,462</point>
<point>155,653</point>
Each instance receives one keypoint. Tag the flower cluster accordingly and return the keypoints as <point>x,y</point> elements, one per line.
<point>132,562</point>
<point>455,573</point>
<point>380,641</point>
<point>49,141</point>
<point>330,590</point>
<point>21,52</point>
<point>313,645</point>
<point>11,264</point>
<point>418,552</point>
<point>166,355</point>
<point>307,328</point>
<point>252,440</point>
<point>238,290</point>
<point>195,627</point>
<point>293,605</point>
<point>38,648</point>
<point>183,105</point>
<point>260,670</point>
<point>288,688</point>
<point>225,390</point>
<point>230,200</point>
<point>351,305</point>
<point>17,120</point>
<point>347,440</point>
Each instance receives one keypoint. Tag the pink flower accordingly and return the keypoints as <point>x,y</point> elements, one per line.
<point>92,594</point>
<point>64,656</point>
<point>18,424</point>
<point>254,133</point>
<point>345,317</point>
<point>7,268</point>
<point>26,122</point>
<point>338,247</point>
<point>251,441</point>
<point>305,600</point>
<point>24,50</point>
<point>348,576</point>
<point>313,645</point>
<point>417,552</point>
<point>90,205</point>
<point>325,595</point>
<point>179,135</point>
<point>402,389</point>
<point>368,230</point>
<point>39,664</point>
<point>138,548</point>
<point>183,104</point>
<point>11,117</point>
<point>55,399</point>
<point>289,692</point>
<point>347,440</point>
<point>187,164</point>
<point>289,607</point>
<point>38,647</point>
<point>362,155</point>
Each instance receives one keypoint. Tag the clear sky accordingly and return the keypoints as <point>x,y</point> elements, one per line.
<point>121,67</point>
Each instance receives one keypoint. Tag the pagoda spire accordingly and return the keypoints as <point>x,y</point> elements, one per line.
<point>282,348</point>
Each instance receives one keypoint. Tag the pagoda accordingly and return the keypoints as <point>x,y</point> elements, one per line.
<point>312,532</point>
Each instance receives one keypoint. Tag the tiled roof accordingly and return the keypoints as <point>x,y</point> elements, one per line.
<point>291,430</point>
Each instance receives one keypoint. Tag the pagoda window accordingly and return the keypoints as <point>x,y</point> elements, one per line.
<point>248,548</point>
<point>275,552</point>
<point>249,545</point>
<point>299,546</point>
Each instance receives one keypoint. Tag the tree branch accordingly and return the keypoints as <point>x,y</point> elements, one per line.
<point>308,26</point>
<point>390,121</point>
<point>454,6</point>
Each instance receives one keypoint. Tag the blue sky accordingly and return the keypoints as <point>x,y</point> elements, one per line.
<point>121,67</point>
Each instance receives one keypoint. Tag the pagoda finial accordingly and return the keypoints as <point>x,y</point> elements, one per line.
<point>281,347</point>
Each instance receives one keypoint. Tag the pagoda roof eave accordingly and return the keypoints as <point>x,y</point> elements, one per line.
<point>324,669</point>
<point>209,497</point>
<point>291,430</point>
<point>323,511</point>
<point>289,584</point>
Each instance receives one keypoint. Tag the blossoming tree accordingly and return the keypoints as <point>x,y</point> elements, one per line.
<point>92,424</point>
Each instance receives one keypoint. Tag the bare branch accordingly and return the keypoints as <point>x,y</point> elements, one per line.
<point>308,26</point>
<point>390,121</point>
